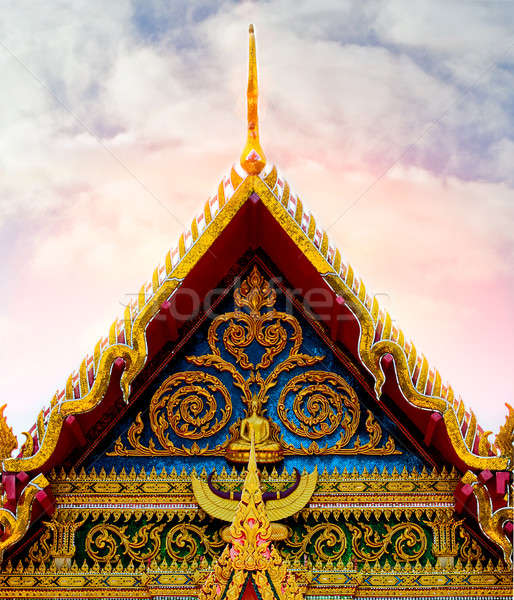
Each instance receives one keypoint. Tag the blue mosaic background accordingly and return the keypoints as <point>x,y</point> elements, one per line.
<point>312,345</point>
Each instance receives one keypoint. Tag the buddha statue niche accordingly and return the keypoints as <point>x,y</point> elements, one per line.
<point>267,449</point>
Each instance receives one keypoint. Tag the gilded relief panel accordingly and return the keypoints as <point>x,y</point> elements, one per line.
<point>256,363</point>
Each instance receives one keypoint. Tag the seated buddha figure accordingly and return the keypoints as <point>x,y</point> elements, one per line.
<point>267,450</point>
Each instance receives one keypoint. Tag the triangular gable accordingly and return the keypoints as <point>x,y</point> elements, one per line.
<point>382,348</point>
<point>259,210</point>
<point>336,420</point>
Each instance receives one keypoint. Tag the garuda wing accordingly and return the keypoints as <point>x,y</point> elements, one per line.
<point>213,505</point>
<point>225,509</point>
<point>291,504</point>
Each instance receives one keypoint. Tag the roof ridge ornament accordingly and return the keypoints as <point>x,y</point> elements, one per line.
<point>252,157</point>
<point>8,441</point>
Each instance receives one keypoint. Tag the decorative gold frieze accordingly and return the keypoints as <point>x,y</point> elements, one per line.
<point>179,579</point>
<point>394,489</point>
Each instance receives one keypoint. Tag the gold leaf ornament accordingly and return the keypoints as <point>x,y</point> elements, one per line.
<point>186,403</point>
<point>318,406</point>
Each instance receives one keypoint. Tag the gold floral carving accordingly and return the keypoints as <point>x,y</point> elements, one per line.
<point>326,541</point>
<point>40,550</point>
<point>137,448</point>
<point>107,542</point>
<point>104,541</point>
<point>184,542</point>
<point>323,402</point>
<point>408,539</point>
<point>268,329</point>
<point>189,400</point>
<point>470,550</point>
<point>372,446</point>
<point>318,406</point>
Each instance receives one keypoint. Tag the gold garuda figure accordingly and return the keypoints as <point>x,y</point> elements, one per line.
<point>279,505</point>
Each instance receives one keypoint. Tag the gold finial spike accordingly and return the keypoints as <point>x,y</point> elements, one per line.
<point>252,157</point>
<point>251,530</point>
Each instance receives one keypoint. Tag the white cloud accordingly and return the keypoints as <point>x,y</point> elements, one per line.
<point>345,89</point>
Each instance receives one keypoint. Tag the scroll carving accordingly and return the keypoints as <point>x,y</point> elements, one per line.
<point>107,543</point>
<point>408,541</point>
<point>319,404</point>
<point>326,541</point>
<point>186,402</point>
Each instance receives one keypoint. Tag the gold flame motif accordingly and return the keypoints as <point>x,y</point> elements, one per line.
<point>251,558</point>
<point>251,529</point>
<point>8,441</point>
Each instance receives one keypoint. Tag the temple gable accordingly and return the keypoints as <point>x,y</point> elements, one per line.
<point>256,427</point>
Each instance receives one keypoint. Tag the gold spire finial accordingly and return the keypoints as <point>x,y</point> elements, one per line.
<point>251,529</point>
<point>252,157</point>
<point>250,558</point>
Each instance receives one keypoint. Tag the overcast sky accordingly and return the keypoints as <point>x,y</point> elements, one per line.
<point>393,120</point>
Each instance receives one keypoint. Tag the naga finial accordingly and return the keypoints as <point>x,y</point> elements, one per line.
<point>8,441</point>
<point>252,157</point>
<point>505,437</point>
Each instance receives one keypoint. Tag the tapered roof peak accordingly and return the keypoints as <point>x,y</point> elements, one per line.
<point>253,159</point>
